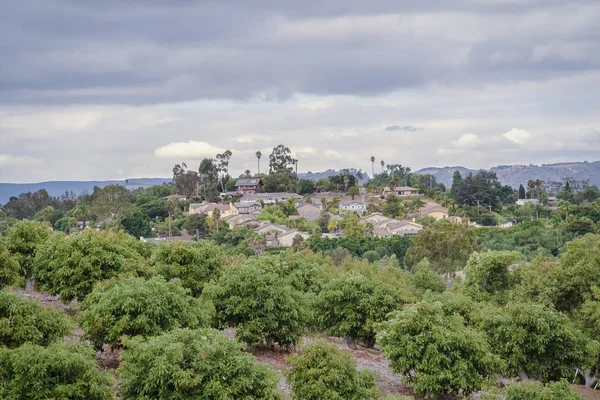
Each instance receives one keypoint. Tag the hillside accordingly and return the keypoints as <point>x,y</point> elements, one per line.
<point>514,175</point>
<point>57,188</point>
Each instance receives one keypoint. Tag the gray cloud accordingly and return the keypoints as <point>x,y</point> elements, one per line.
<point>407,128</point>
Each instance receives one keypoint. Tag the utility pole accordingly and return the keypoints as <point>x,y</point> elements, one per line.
<point>477,207</point>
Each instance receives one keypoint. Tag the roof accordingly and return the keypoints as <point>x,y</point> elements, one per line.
<point>425,211</point>
<point>405,188</point>
<point>248,182</point>
<point>349,203</point>
<point>247,204</point>
<point>174,196</point>
<point>209,207</point>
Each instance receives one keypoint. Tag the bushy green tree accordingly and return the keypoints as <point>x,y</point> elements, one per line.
<point>26,321</point>
<point>424,279</point>
<point>487,274</point>
<point>60,371</point>
<point>321,371</point>
<point>352,305</point>
<point>194,264</point>
<point>135,306</point>
<point>260,304</point>
<point>24,239</point>
<point>10,269</point>
<point>71,266</point>
<point>195,365</point>
<point>538,391</point>
<point>371,256</point>
<point>535,341</point>
<point>437,352</point>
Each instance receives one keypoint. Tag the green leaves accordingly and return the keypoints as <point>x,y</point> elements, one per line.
<point>487,275</point>
<point>10,268</point>
<point>135,306</point>
<point>193,364</point>
<point>25,321</point>
<point>538,391</point>
<point>62,371</point>
<point>321,371</point>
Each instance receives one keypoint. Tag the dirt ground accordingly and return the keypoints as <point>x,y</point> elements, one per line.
<point>366,359</point>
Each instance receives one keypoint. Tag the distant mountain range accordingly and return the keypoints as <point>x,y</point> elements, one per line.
<point>514,175</point>
<point>57,188</point>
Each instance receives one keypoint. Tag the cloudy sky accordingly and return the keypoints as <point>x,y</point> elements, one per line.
<point>117,89</point>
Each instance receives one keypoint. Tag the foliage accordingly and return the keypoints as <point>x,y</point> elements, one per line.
<point>447,247</point>
<point>351,225</point>
<point>424,278</point>
<point>136,223</point>
<point>436,352</point>
<point>71,266</point>
<point>60,371</point>
<point>109,202</point>
<point>487,274</point>
<point>25,321</point>
<point>397,245</point>
<point>280,159</point>
<point>194,264</point>
<point>10,269</point>
<point>135,306</point>
<point>195,224</point>
<point>535,341</point>
<point>371,256</point>
<point>353,305</point>
<point>321,371</point>
<point>192,364</point>
<point>260,304</point>
<point>538,391</point>
<point>482,189</point>
<point>24,240</point>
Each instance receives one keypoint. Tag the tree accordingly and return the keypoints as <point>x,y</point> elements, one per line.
<point>26,321</point>
<point>521,191</point>
<point>535,341</point>
<point>24,239</point>
<point>109,202</point>
<point>352,305</point>
<point>193,364</point>
<point>437,352</point>
<point>306,186</point>
<point>195,224</point>
<point>223,166</point>
<point>280,160</point>
<point>260,304</point>
<point>538,391</point>
<point>59,371</point>
<point>353,191</point>
<point>382,164</point>
<point>136,223</point>
<point>72,266</point>
<point>193,264</point>
<point>258,156</point>
<point>135,306</point>
<point>350,223</point>
<point>10,269</point>
<point>372,166</point>
<point>393,207</point>
<point>424,279</point>
<point>321,371</point>
<point>447,247</point>
<point>487,274</point>
<point>185,180</point>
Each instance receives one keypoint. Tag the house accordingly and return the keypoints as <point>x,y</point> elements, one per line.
<point>359,207</point>
<point>309,211</point>
<point>268,198</point>
<point>522,202</point>
<point>455,219</point>
<point>401,191</point>
<point>436,212</point>
<point>240,219</point>
<point>174,197</point>
<point>374,218</point>
<point>393,227</point>
<point>248,186</point>
<point>268,228</point>
<point>508,224</point>
<point>248,207</point>
<point>287,239</point>
<point>208,208</point>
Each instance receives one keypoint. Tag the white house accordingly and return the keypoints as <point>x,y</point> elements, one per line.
<point>359,207</point>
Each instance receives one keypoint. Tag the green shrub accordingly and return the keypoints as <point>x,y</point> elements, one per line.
<point>321,371</point>
<point>194,264</point>
<point>26,321</point>
<point>10,268</point>
<point>538,391</point>
<point>352,305</point>
<point>260,304</point>
<point>60,371</point>
<point>437,352</point>
<point>71,266</point>
<point>424,279</point>
<point>487,274</point>
<point>135,306</point>
<point>192,364</point>
<point>24,240</point>
<point>371,256</point>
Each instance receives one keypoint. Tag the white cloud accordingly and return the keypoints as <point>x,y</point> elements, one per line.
<point>7,159</point>
<point>467,141</point>
<point>191,149</point>
<point>519,136</point>
<point>318,105</point>
<point>332,154</point>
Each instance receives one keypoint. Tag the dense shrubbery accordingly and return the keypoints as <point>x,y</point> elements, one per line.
<point>321,371</point>
<point>71,266</point>
<point>24,240</point>
<point>10,269</point>
<point>537,391</point>
<point>135,306</point>
<point>25,321</point>
<point>60,371</point>
<point>192,364</point>
<point>396,245</point>
<point>488,276</point>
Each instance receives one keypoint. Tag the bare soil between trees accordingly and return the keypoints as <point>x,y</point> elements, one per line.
<point>389,383</point>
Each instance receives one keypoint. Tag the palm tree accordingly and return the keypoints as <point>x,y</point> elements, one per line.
<point>258,155</point>
<point>382,164</point>
<point>373,165</point>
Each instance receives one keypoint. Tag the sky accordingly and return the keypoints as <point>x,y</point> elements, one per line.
<point>119,89</point>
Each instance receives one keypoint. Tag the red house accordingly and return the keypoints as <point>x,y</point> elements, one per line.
<point>248,186</point>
